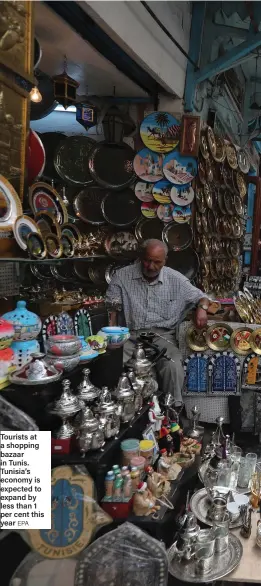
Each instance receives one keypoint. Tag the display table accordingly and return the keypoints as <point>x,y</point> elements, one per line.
<point>249,569</point>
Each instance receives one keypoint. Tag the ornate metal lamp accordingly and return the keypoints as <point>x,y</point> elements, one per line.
<point>65,88</point>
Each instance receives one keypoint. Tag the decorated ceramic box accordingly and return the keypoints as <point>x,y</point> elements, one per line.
<point>27,325</point>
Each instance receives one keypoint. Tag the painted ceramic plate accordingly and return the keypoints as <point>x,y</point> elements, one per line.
<point>161,191</point>
<point>160,132</point>
<point>218,336</point>
<point>240,341</point>
<point>149,210</point>
<point>36,245</point>
<point>196,339</point>
<point>35,157</point>
<point>46,223</point>
<point>72,231</point>
<point>53,245</point>
<point>255,341</point>
<point>22,228</point>
<point>122,244</point>
<point>164,212</point>
<point>181,214</point>
<point>148,165</point>
<point>178,169</point>
<point>111,165</point>
<point>67,245</point>
<point>177,237</point>
<point>42,197</point>
<point>243,161</point>
<point>182,196</point>
<point>121,208</point>
<point>10,205</point>
<point>143,191</point>
<point>231,156</point>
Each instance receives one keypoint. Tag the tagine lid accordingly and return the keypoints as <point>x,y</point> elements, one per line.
<point>88,421</point>
<point>21,315</point>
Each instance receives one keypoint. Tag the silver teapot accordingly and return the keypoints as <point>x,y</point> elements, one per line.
<point>137,386</point>
<point>141,365</point>
<point>90,435</point>
<point>86,391</point>
<point>108,413</point>
<point>67,405</point>
<point>126,402</point>
<point>188,535</point>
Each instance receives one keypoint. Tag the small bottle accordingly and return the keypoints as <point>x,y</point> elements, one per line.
<point>175,434</point>
<point>116,469</point>
<point>135,478</point>
<point>124,470</point>
<point>117,487</point>
<point>109,480</point>
<point>127,486</point>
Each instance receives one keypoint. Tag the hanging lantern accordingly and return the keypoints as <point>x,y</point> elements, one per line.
<point>65,88</point>
<point>86,115</point>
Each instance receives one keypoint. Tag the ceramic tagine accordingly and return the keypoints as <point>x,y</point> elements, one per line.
<point>90,435</point>
<point>126,399</point>
<point>27,325</point>
<point>86,391</point>
<point>37,372</point>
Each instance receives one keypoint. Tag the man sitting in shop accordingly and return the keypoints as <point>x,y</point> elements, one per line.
<point>156,298</point>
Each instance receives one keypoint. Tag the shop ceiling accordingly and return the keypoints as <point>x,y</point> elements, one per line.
<point>95,74</point>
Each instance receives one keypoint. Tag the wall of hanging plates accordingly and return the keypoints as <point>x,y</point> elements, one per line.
<point>220,212</point>
<point>220,361</point>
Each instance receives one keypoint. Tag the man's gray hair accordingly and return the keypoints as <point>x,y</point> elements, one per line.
<point>153,242</point>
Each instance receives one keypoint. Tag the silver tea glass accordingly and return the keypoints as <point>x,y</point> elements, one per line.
<point>252,460</point>
<point>204,562</point>
<point>245,473</point>
<point>221,529</point>
<point>206,539</point>
<point>235,456</point>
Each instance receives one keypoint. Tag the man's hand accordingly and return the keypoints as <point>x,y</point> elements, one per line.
<point>201,318</point>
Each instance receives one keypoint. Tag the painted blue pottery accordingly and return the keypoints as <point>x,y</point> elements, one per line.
<point>86,352</point>
<point>27,325</point>
<point>23,351</point>
<point>116,336</point>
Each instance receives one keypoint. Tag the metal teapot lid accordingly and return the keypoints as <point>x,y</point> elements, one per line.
<point>125,394</point>
<point>86,390</point>
<point>107,408</point>
<point>189,525</point>
<point>67,404</point>
<point>88,421</point>
<point>123,384</point>
<point>105,396</point>
<point>139,358</point>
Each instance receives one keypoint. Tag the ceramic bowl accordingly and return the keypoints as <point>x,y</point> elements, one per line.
<point>6,334</point>
<point>115,336</point>
<point>63,362</point>
<point>98,343</point>
<point>63,345</point>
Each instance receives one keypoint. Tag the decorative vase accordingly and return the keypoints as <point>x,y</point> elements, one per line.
<point>87,353</point>
<point>6,333</point>
<point>27,325</point>
<point>23,351</point>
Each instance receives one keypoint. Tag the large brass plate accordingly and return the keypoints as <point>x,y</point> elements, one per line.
<point>196,339</point>
<point>239,341</point>
<point>218,336</point>
<point>255,341</point>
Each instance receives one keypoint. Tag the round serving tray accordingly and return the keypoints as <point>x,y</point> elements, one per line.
<point>71,159</point>
<point>121,208</point>
<point>87,205</point>
<point>199,505</point>
<point>111,165</point>
<point>176,236</point>
<point>223,564</point>
<point>147,228</point>
<point>185,262</point>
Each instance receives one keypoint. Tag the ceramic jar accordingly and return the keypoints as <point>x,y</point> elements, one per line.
<point>27,325</point>
<point>98,343</point>
<point>6,333</point>
<point>115,336</point>
<point>65,363</point>
<point>87,353</point>
<point>130,448</point>
<point>63,345</point>
<point>147,450</point>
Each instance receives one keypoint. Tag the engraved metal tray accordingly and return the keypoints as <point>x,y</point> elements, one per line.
<point>224,563</point>
<point>199,505</point>
<point>202,471</point>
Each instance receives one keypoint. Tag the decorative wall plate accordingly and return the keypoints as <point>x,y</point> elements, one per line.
<point>198,223</point>
<point>72,231</point>
<point>224,372</point>
<point>204,222</point>
<point>202,173</point>
<point>148,165</point>
<point>234,248</point>
<point>143,191</point>
<point>74,516</point>
<point>47,223</point>
<point>238,205</point>
<point>71,159</point>
<point>243,161</point>
<point>229,203</point>
<point>164,212</point>
<point>53,245</point>
<point>23,226</point>
<point>185,262</point>
<point>63,272</point>
<point>178,169</point>
<point>41,271</point>
<point>255,341</point>
<point>209,229</point>
<point>111,165</point>
<point>205,243</point>
<point>220,154</point>
<point>162,191</point>
<point>35,157</point>
<point>211,141</point>
<point>122,208</point>
<point>218,336</point>
<point>239,340</point>
<point>36,245</point>
<point>122,244</point>
<point>160,132</point>
<point>182,196</point>
<point>196,373</point>
<point>203,145</point>
<point>97,274</point>
<point>49,327</point>
<point>209,171</point>
<point>87,205</point>
<point>65,324</point>
<point>83,323</point>
<point>42,197</point>
<point>231,154</point>
<point>241,184</point>
<point>237,228</point>
<point>181,214</point>
<point>208,196</point>
<point>148,228</point>
<point>149,210</point>
<point>200,200</point>
<point>81,271</point>
<point>10,205</point>
<point>177,237</point>
<point>67,245</point>
<point>196,339</point>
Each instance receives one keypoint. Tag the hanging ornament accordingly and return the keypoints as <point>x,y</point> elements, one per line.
<point>65,88</point>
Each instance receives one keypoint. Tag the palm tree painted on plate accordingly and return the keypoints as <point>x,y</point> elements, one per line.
<point>162,120</point>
